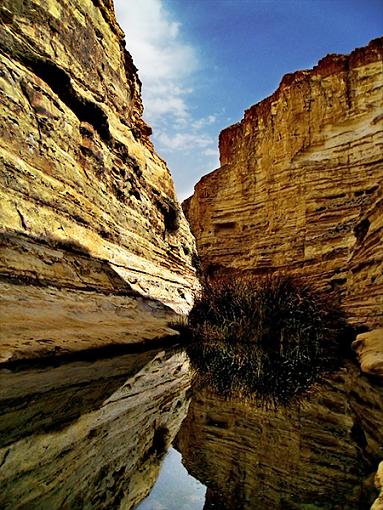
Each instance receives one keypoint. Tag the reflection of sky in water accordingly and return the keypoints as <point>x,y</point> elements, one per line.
<point>175,489</point>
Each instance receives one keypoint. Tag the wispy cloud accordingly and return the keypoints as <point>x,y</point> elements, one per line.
<point>169,66</point>
<point>165,62</point>
<point>211,152</point>
<point>185,141</point>
<point>205,121</point>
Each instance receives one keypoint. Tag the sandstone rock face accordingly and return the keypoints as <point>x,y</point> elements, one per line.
<point>322,454</point>
<point>369,347</point>
<point>89,435</point>
<point>300,184</point>
<point>87,206</point>
<point>378,503</point>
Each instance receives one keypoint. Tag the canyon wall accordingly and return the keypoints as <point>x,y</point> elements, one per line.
<point>300,191</point>
<point>300,188</point>
<point>92,236</point>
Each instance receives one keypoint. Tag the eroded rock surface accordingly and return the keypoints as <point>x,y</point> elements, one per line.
<point>369,347</point>
<point>378,503</point>
<point>299,189</point>
<point>87,206</point>
<point>321,454</point>
<point>89,435</point>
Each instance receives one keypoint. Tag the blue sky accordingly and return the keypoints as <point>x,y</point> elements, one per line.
<point>203,62</point>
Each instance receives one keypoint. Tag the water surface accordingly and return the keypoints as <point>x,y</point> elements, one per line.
<point>89,435</point>
<point>98,434</point>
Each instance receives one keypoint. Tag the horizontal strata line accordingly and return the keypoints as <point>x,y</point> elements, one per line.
<point>46,282</point>
<point>123,232</point>
<point>45,177</point>
<point>325,164</point>
<point>98,209</point>
<point>252,208</point>
<point>139,271</point>
<point>249,206</point>
<point>38,242</point>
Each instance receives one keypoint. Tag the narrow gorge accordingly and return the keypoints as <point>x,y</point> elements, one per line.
<point>101,269</point>
<point>299,192</point>
<point>299,189</point>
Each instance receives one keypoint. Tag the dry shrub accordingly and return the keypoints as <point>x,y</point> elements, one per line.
<point>271,338</point>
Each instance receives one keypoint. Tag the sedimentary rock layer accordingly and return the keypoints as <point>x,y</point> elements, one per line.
<point>89,435</point>
<point>320,454</point>
<point>299,189</point>
<point>86,203</point>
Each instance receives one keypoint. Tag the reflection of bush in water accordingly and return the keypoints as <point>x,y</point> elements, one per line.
<point>270,338</point>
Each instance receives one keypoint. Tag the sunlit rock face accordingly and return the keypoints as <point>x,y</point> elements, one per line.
<point>321,454</point>
<point>369,347</point>
<point>378,503</point>
<point>89,435</point>
<point>300,184</point>
<point>87,206</point>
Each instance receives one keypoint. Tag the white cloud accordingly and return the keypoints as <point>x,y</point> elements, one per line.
<point>211,152</point>
<point>185,141</point>
<point>205,121</point>
<point>168,67</point>
<point>165,62</point>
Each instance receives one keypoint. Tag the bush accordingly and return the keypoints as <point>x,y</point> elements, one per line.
<point>271,338</point>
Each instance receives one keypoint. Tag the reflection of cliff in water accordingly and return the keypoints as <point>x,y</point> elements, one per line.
<point>319,455</point>
<point>88,434</point>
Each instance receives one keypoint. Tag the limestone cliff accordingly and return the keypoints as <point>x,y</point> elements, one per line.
<point>320,454</point>
<point>88,209</point>
<point>300,187</point>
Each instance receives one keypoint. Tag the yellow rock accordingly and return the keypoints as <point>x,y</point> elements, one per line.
<point>299,189</point>
<point>369,347</point>
<point>87,204</point>
<point>378,503</point>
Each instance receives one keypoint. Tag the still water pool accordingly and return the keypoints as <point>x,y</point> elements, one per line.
<point>133,432</point>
